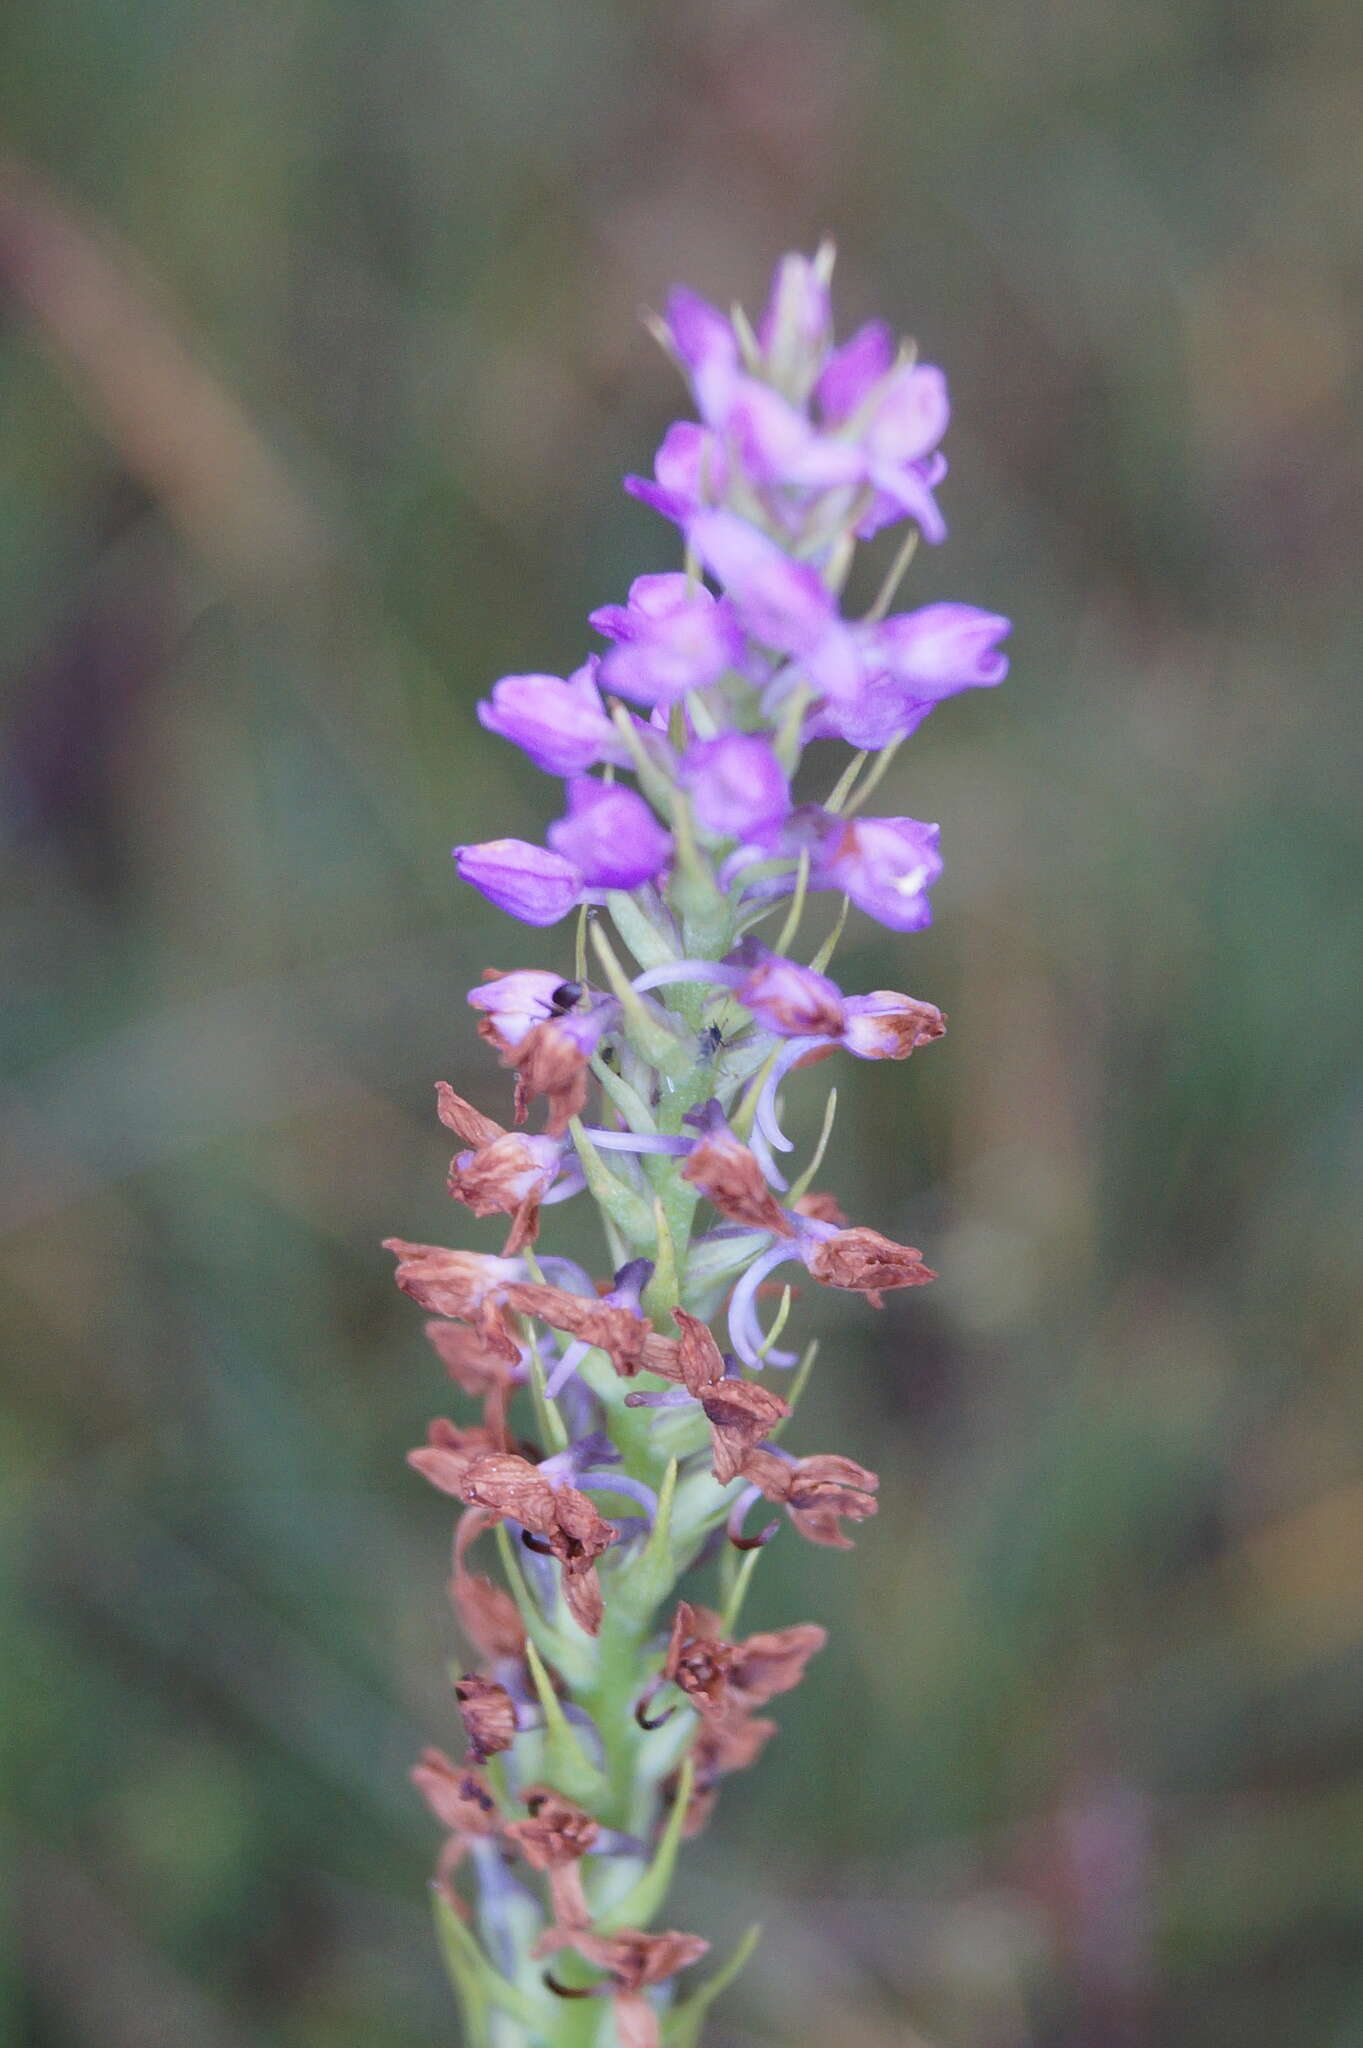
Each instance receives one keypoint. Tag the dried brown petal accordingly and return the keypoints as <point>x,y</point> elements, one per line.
<point>816,1492</point>
<point>465,1285</point>
<point>557,1831</point>
<point>447,1454</point>
<point>773,1662</point>
<point>463,1119</point>
<point>509,1485</point>
<point>586,1603</point>
<point>740,1414</point>
<point>699,1359</point>
<point>487,1614</point>
<point>823,1208</point>
<point>865,1261</point>
<point>457,1794</point>
<point>617,1331</point>
<point>489,1714</point>
<point>550,1062</point>
<point>727,1173</point>
<point>632,1958</point>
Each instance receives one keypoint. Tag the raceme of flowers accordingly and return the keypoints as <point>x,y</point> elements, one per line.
<point>625,1430</point>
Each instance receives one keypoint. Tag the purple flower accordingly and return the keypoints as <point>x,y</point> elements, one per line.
<point>784,604</point>
<point>886,866</point>
<point>674,635</point>
<point>784,997</point>
<point>690,470</point>
<point>706,346</point>
<point>853,371</point>
<point>563,726</point>
<point>513,1004</point>
<point>776,444</point>
<point>940,649</point>
<point>610,837</point>
<point>526,881</point>
<point>737,786</point>
<point>796,331</point>
<point>905,423</point>
<point>912,662</point>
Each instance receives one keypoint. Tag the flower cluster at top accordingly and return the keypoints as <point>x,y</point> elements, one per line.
<point>598,1728</point>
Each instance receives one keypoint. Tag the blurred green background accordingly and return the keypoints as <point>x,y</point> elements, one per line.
<point>321,360</point>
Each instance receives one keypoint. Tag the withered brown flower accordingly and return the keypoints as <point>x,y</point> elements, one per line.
<point>612,1329</point>
<point>550,1061</point>
<point>728,1741</point>
<point>505,1173</point>
<point>467,1286</point>
<point>720,1678</point>
<point>564,1519</point>
<point>698,1659</point>
<point>866,1262</point>
<point>823,1208</point>
<point>478,1368</point>
<point>632,1960</point>
<point>461,1800</point>
<point>447,1453</point>
<point>486,1612</point>
<point>488,1713</point>
<point>816,1492</point>
<point>728,1175</point>
<point>554,1839</point>
<point>740,1414</point>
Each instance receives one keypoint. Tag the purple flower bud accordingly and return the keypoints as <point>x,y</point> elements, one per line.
<point>516,1002</point>
<point>673,636</point>
<point>886,866</point>
<point>610,837</point>
<point>563,726</point>
<point>853,371</point>
<point>784,997</point>
<point>526,881</point>
<point>797,328</point>
<point>939,650</point>
<point>690,470</point>
<point>705,343</point>
<point>738,788</point>
<point>784,604</point>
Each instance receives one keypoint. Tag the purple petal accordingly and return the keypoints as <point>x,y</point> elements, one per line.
<point>526,881</point>
<point>610,836</point>
<point>854,370</point>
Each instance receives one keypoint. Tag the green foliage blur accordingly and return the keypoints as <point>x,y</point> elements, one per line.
<point>321,360</point>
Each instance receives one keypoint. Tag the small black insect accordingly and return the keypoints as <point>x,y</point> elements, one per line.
<point>565,996</point>
<point>711,1041</point>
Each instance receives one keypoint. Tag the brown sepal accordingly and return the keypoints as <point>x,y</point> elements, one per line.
<point>463,1119</point>
<point>448,1452</point>
<point>549,1062</point>
<point>616,1331</point>
<point>488,1713</point>
<point>728,1175</point>
<point>457,1794</point>
<point>740,1414</point>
